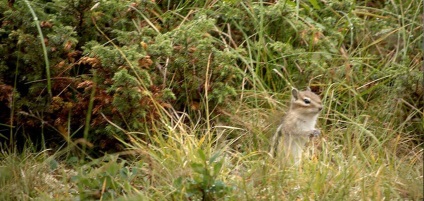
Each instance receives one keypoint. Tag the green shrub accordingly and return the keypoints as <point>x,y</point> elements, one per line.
<point>117,52</point>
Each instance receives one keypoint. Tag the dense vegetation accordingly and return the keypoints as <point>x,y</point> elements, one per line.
<point>177,100</point>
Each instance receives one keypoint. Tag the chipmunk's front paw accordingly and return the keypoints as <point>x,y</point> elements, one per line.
<point>315,133</point>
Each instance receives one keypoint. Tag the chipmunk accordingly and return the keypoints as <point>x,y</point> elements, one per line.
<point>297,126</point>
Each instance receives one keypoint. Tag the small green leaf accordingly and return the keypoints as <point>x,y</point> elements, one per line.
<point>178,182</point>
<point>201,154</point>
<point>315,4</point>
<point>214,157</point>
<point>197,167</point>
<point>53,164</point>
<point>113,168</point>
<point>217,168</point>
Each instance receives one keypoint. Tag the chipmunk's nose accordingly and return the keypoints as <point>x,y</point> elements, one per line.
<point>319,108</point>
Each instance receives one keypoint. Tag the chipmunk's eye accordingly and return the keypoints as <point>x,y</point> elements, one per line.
<point>307,101</point>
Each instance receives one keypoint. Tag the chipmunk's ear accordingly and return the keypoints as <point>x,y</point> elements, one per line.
<point>295,93</point>
<point>308,89</point>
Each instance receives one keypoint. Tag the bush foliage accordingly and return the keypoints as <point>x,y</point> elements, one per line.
<point>133,62</point>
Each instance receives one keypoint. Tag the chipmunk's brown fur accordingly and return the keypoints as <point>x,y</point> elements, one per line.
<point>297,126</point>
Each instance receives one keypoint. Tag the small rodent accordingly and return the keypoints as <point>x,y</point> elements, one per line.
<point>298,125</point>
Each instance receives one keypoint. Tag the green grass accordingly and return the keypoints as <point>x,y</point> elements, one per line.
<point>353,160</point>
<point>371,144</point>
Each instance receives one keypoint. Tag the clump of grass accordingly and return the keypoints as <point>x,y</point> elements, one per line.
<point>354,159</point>
<point>25,176</point>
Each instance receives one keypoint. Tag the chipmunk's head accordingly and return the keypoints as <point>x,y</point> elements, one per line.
<point>305,102</point>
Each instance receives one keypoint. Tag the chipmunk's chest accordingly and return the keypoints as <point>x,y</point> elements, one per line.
<point>306,124</point>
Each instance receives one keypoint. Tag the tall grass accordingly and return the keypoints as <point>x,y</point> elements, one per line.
<point>43,45</point>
